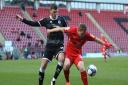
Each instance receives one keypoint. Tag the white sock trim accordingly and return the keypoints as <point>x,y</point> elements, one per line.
<point>60,63</point>
<point>53,79</point>
<point>41,70</point>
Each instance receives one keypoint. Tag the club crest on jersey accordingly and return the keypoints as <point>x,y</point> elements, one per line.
<point>50,21</point>
<point>59,22</point>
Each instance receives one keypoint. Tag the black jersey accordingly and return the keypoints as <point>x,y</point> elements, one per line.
<point>49,23</point>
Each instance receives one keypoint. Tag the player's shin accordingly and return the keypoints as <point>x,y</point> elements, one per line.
<point>58,70</point>
<point>66,74</point>
<point>41,77</point>
<point>84,77</point>
<point>105,56</point>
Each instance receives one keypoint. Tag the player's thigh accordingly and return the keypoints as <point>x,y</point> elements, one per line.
<point>61,57</point>
<point>47,57</point>
<point>79,63</point>
<point>60,53</point>
<point>67,64</point>
<point>44,63</point>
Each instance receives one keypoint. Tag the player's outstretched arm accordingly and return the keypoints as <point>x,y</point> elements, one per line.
<point>98,40</point>
<point>28,22</point>
<point>62,29</point>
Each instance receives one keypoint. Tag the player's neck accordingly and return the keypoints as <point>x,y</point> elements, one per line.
<point>53,18</point>
<point>80,36</point>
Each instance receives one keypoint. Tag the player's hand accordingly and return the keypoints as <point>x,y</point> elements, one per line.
<point>18,17</point>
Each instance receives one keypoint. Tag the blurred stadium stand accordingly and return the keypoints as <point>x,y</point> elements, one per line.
<point>108,15</point>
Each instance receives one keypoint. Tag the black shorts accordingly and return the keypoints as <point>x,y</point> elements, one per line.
<point>52,51</point>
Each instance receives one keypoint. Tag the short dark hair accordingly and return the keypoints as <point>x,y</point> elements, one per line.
<point>82,27</point>
<point>53,6</point>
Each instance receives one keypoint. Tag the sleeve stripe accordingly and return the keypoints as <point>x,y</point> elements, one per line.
<point>39,23</point>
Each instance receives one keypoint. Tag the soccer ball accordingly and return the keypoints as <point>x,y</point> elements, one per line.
<point>91,70</point>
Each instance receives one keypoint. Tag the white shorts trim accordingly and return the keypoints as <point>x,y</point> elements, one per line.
<point>47,59</point>
<point>58,53</point>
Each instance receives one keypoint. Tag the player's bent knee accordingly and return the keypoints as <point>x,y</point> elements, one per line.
<point>81,69</point>
<point>44,64</point>
<point>66,67</point>
<point>80,66</point>
<point>61,60</point>
<point>42,69</point>
<point>61,57</point>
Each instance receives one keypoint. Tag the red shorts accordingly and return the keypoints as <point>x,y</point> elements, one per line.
<point>75,59</point>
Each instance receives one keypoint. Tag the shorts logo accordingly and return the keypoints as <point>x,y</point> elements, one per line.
<point>62,48</point>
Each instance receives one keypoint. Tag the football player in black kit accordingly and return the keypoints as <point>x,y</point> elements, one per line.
<point>55,42</point>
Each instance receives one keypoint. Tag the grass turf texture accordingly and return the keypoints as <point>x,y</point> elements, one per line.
<point>25,72</point>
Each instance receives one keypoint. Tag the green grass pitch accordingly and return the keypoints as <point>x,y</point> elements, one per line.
<point>25,72</point>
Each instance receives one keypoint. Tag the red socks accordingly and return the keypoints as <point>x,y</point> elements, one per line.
<point>84,77</point>
<point>66,74</point>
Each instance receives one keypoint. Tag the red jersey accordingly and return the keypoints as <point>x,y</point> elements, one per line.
<point>75,43</point>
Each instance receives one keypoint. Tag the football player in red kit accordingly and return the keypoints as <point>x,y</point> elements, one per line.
<point>104,48</point>
<point>77,37</point>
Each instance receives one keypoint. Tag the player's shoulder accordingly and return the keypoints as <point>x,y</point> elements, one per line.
<point>61,17</point>
<point>73,29</point>
<point>70,29</point>
<point>88,34</point>
<point>44,19</point>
